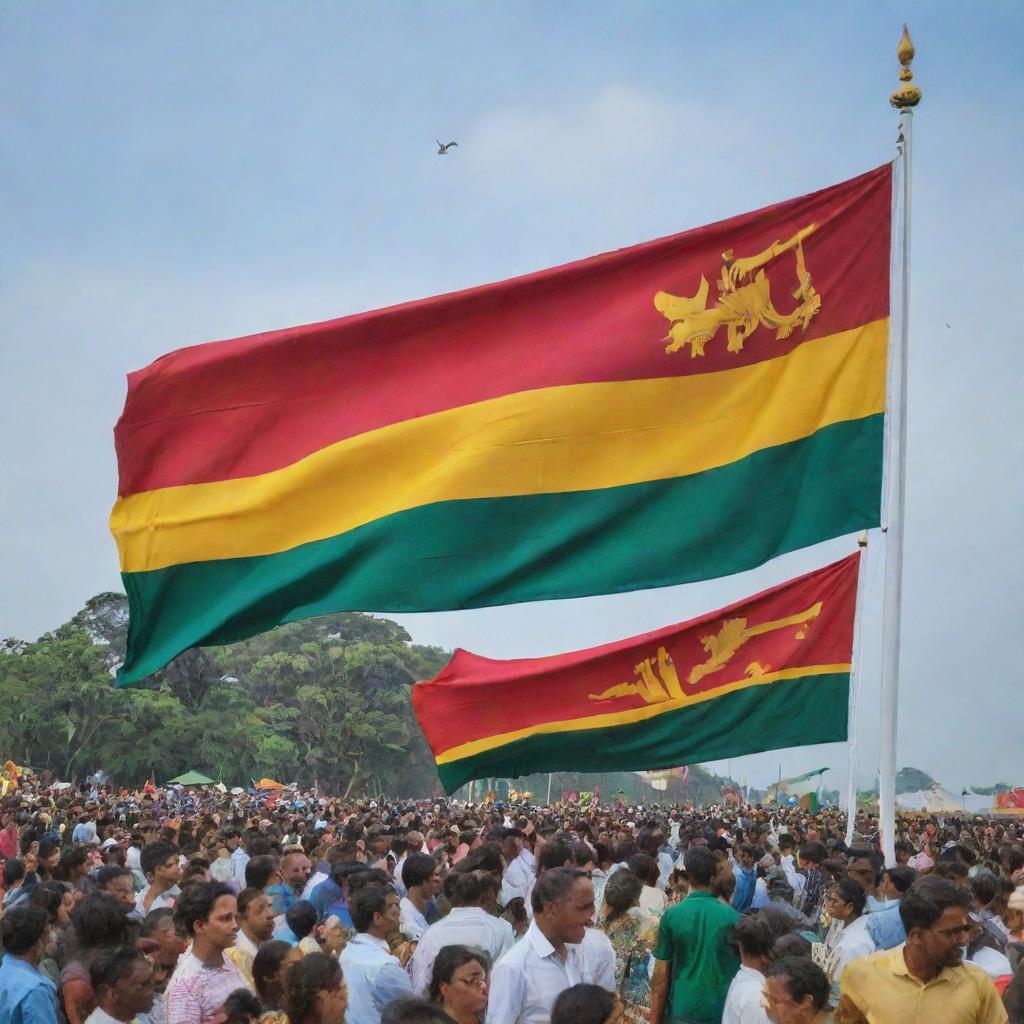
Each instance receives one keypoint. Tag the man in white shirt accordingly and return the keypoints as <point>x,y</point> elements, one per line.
<point>553,955</point>
<point>373,976</point>
<point>744,1001</point>
<point>421,876</point>
<point>239,858</point>
<point>122,979</point>
<point>473,895</point>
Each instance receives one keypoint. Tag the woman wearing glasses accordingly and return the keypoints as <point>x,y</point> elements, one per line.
<point>459,984</point>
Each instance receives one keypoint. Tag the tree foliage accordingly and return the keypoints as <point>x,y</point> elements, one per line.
<point>323,700</point>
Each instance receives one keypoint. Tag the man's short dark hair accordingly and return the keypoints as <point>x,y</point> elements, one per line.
<point>106,874</point>
<point>555,854</point>
<point>803,978</point>
<point>701,865</point>
<point>196,903</point>
<point>99,921</point>
<point>418,869</point>
<point>813,853</point>
<point>151,922</point>
<point>553,886</point>
<point>927,899</point>
<point>301,918</point>
<point>113,964</point>
<point>466,888</point>
<point>369,900</point>
<point>153,854</point>
<point>259,871</point>
<point>984,888</point>
<point>754,935</point>
<point>583,1004</point>
<point>14,871</point>
<point>902,877</point>
<point>21,928</point>
<point>413,1011</point>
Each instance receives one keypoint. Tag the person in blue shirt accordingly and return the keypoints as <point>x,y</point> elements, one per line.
<point>746,877</point>
<point>26,996</point>
<point>373,975</point>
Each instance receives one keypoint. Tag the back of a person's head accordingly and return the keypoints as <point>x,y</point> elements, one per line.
<point>791,945</point>
<point>754,935</point>
<point>902,877</point>
<point>701,865</point>
<point>99,921</point>
<point>112,964</point>
<point>21,928</point>
<point>983,888</point>
<point>583,1004</point>
<point>14,872</point>
<point>621,892</point>
<point>644,867</point>
<point>802,977</point>
<point>413,1011</point>
<point>813,853</point>
<point>259,871</point>
<point>470,888</point>
<point>301,918</point>
<point>927,899</point>
<point>242,1007</point>
<point>303,983</point>
<point>267,963</point>
<point>555,854</point>
<point>483,858</point>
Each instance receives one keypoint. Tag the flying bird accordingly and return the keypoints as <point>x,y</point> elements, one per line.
<point>443,147</point>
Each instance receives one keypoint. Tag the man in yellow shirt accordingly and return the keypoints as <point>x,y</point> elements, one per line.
<point>924,981</point>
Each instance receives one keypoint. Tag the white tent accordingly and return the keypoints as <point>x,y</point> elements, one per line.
<point>936,800</point>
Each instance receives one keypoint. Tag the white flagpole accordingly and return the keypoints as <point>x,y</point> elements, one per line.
<point>853,747</point>
<point>905,98</point>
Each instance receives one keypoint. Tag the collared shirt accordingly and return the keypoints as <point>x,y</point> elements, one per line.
<point>695,937</point>
<point>519,876</point>
<point>196,991</point>
<point>886,927</point>
<point>527,980</point>
<point>26,996</point>
<point>412,924</point>
<point>165,899</point>
<point>373,976</point>
<point>879,989</point>
<point>743,1001</point>
<point>464,926</point>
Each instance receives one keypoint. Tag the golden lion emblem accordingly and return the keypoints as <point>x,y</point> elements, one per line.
<point>744,303</point>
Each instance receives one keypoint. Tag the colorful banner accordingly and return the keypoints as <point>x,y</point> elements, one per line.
<point>767,672</point>
<point>676,411</point>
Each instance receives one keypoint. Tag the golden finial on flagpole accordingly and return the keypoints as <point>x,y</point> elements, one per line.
<point>906,95</point>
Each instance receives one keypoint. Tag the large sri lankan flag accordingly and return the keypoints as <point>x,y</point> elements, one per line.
<point>676,411</point>
<point>767,672</point>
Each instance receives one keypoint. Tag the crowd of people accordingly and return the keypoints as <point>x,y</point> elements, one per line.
<point>179,906</point>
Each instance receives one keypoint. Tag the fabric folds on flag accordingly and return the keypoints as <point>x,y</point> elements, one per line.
<point>767,672</point>
<point>676,411</point>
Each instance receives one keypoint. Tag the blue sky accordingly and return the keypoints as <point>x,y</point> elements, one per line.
<point>176,173</point>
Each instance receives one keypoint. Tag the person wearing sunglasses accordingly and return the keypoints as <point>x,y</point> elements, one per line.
<point>925,978</point>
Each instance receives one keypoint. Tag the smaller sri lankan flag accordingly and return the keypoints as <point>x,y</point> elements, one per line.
<point>767,672</point>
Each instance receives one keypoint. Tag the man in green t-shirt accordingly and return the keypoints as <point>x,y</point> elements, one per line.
<point>695,958</point>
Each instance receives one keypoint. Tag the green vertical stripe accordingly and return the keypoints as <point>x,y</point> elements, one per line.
<point>786,713</point>
<point>479,552</point>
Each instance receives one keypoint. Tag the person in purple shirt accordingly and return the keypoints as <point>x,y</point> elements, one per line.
<point>26,996</point>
